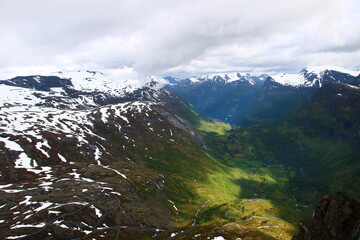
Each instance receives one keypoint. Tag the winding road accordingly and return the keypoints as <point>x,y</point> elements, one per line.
<point>228,213</point>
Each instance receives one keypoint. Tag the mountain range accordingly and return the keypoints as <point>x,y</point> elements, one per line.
<point>221,156</point>
<point>242,99</point>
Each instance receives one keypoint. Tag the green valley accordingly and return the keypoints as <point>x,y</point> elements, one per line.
<point>268,177</point>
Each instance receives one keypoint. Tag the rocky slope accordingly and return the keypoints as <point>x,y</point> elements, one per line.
<point>336,217</point>
<point>76,163</point>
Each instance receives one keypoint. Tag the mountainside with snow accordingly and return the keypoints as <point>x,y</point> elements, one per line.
<point>83,157</point>
<point>74,90</point>
<point>317,76</point>
<point>79,156</point>
<point>81,160</point>
<point>91,161</point>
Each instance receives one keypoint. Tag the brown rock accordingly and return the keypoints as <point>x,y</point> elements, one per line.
<point>337,217</point>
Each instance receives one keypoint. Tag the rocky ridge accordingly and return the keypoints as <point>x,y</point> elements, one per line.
<point>337,217</point>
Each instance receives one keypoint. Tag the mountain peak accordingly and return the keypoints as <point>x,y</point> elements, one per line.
<point>316,76</point>
<point>156,82</point>
<point>89,81</point>
<point>319,70</point>
<point>226,78</point>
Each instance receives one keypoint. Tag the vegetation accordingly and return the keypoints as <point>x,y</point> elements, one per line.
<point>278,171</point>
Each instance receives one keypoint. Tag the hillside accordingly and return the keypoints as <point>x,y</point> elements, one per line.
<point>319,139</point>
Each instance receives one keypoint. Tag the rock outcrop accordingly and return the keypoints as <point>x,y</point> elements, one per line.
<point>337,217</point>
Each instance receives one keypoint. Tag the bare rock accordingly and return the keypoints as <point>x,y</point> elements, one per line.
<point>337,217</point>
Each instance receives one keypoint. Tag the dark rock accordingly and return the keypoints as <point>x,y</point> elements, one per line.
<point>337,217</point>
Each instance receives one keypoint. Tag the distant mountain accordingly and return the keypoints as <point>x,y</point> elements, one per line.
<point>234,78</point>
<point>242,99</point>
<point>220,96</point>
<point>317,76</point>
<point>227,78</point>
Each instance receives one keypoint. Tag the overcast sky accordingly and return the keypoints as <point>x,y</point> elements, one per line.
<point>136,38</point>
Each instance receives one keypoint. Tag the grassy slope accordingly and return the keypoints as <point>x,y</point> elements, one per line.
<point>227,182</point>
<point>287,166</point>
<point>324,135</point>
<point>319,140</point>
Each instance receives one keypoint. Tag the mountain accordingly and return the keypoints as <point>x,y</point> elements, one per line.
<point>221,96</point>
<point>319,139</point>
<point>312,152</point>
<point>78,158</point>
<point>317,76</point>
<point>242,99</point>
<point>81,158</point>
<point>74,90</point>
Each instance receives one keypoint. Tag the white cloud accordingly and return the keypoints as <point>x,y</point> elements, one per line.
<point>163,36</point>
<point>121,74</point>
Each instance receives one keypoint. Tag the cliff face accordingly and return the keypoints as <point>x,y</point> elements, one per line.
<point>337,217</point>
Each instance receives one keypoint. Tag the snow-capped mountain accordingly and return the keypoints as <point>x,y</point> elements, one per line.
<point>307,77</point>
<point>239,98</point>
<point>75,151</point>
<point>75,90</point>
<point>234,78</point>
<point>317,76</point>
<point>225,78</point>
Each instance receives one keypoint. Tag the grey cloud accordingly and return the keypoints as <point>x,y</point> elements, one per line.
<point>162,36</point>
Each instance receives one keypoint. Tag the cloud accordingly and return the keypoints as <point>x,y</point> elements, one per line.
<point>171,37</point>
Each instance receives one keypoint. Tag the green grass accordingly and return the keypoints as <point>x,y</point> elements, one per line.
<point>214,126</point>
<point>285,165</point>
<point>288,166</point>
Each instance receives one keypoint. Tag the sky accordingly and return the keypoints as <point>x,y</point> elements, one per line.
<point>130,39</point>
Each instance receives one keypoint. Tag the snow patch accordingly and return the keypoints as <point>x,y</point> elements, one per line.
<point>11,145</point>
<point>174,206</point>
<point>62,158</point>
<point>289,79</point>
<point>24,161</point>
<point>39,147</point>
<point>97,211</point>
<point>219,238</point>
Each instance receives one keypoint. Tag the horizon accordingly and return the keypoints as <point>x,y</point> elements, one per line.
<point>179,75</point>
